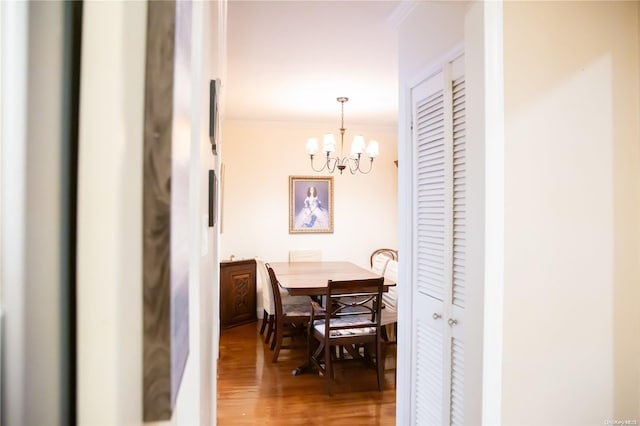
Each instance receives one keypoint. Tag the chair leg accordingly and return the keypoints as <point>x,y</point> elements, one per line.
<point>309,351</point>
<point>265,316</point>
<point>328,368</point>
<point>277,343</point>
<point>380,355</point>
<point>383,332</point>
<point>270,322</point>
<point>275,335</point>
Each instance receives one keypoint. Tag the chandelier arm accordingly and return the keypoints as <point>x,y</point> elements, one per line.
<point>355,162</point>
<point>331,169</point>
<point>326,165</point>
<point>370,167</point>
<point>314,168</point>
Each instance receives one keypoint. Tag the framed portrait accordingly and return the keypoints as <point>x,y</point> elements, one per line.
<point>310,204</point>
<point>214,89</point>
<point>213,210</point>
<point>165,234</point>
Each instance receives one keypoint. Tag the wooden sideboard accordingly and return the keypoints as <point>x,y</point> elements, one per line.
<point>237,292</point>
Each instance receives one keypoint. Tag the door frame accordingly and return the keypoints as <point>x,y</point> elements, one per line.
<point>485,114</point>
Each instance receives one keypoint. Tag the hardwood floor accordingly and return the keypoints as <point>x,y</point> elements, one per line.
<point>254,391</point>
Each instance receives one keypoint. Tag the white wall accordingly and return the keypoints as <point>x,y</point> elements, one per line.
<point>428,32</point>
<point>572,227</point>
<point>1,313</point>
<point>110,214</point>
<point>110,226</point>
<point>35,217</point>
<point>1,84</point>
<point>196,402</point>
<point>485,206</point>
<point>258,159</point>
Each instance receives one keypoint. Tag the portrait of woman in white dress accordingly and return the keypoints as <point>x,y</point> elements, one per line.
<point>312,214</point>
<point>311,204</point>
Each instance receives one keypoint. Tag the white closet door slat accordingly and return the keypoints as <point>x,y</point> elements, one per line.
<point>459,248</point>
<point>456,403</point>
<point>429,121</point>
<point>459,192</point>
<point>428,370</point>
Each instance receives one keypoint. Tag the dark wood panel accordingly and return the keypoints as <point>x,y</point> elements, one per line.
<point>157,210</point>
<point>237,292</point>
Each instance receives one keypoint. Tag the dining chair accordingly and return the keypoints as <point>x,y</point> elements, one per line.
<point>351,320</point>
<point>389,318</point>
<point>307,255</point>
<point>268,303</point>
<point>391,254</point>
<point>290,319</point>
<point>379,263</point>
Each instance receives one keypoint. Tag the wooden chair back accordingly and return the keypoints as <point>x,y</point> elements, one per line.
<point>351,320</point>
<point>353,298</point>
<point>290,319</point>
<point>274,289</point>
<point>268,305</point>
<point>387,252</point>
<point>267,293</point>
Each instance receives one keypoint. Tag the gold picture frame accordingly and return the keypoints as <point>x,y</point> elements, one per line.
<point>310,204</point>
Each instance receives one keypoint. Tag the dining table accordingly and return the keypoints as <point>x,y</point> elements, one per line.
<point>312,279</point>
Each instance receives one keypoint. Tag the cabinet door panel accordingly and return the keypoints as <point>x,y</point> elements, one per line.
<point>237,293</point>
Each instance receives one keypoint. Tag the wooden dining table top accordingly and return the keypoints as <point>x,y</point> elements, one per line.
<point>311,278</point>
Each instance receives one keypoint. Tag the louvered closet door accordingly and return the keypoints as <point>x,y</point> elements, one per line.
<point>459,245</point>
<point>431,239</point>
<point>439,247</point>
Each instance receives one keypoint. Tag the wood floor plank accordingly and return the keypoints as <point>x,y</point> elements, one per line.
<point>254,391</point>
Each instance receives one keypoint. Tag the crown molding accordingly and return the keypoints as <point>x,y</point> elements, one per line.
<point>401,12</point>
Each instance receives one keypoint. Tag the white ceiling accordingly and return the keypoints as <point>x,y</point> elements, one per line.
<point>290,60</point>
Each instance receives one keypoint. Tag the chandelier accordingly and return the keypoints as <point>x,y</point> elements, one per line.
<point>341,162</point>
